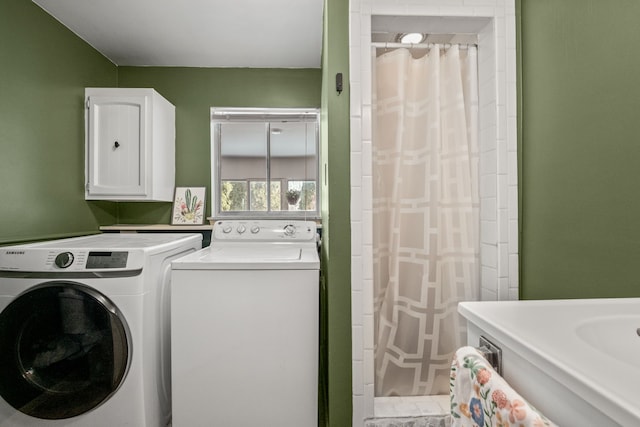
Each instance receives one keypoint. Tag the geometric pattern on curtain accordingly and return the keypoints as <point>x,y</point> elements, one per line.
<point>425,214</point>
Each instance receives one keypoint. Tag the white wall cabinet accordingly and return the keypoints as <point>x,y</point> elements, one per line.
<point>129,145</point>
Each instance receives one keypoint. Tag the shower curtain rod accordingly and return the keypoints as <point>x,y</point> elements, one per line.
<point>386,45</point>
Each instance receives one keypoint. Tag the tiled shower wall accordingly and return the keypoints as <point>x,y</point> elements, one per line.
<point>498,163</point>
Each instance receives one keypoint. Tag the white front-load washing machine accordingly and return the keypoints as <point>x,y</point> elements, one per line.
<point>85,332</point>
<point>245,322</point>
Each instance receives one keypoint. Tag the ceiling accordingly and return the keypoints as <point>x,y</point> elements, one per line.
<point>197,33</point>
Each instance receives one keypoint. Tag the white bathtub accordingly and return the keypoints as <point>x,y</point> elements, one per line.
<point>577,361</point>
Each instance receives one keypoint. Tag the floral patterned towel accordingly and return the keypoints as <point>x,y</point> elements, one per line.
<point>481,397</point>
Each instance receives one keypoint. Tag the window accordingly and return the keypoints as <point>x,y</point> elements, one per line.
<point>265,162</point>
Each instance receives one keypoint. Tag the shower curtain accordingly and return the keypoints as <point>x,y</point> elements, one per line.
<point>425,214</point>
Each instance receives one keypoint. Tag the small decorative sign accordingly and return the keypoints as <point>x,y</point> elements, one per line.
<point>188,206</point>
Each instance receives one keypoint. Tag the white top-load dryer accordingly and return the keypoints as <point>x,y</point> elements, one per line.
<point>84,330</point>
<point>245,322</point>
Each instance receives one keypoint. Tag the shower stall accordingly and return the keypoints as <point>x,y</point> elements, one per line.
<point>434,198</point>
<point>425,209</point>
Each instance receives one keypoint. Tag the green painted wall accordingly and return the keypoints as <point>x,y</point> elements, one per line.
<point>194,91</point>
<point>44,69</point>
<point>580,148</point>
<point>336,240</point>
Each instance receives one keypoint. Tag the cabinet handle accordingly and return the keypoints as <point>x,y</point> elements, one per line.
<point>117,144</point>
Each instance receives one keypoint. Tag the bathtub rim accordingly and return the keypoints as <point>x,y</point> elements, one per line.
<point>519,326</point>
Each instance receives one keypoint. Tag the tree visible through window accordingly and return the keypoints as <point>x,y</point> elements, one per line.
<point>265,162</point>
<point>234,196</point>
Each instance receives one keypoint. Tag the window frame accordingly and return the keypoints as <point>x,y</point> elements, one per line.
<point>266,116</point>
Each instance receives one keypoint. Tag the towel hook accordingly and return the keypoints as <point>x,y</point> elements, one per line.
<point>492,353</point>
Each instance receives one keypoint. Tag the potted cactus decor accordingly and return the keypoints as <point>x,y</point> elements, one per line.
<point>188,206</point>
<point>292,196</point>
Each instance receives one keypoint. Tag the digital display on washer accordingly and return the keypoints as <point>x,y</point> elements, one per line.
<point>107,259</point>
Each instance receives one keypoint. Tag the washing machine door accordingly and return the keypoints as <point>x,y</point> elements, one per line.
<point>65,350</point>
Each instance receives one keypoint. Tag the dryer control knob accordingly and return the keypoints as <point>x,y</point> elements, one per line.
<point>241,229</point>
<point>255,229</point>
<point>227,229</point>
<point>64,259</point>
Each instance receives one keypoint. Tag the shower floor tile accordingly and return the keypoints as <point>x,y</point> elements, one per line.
<point>411,406</point>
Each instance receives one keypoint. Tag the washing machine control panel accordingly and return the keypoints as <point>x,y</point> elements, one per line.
<point>264,231</point>
<point>64,260</point>
<point>71,260</point>
<point>107,259</point>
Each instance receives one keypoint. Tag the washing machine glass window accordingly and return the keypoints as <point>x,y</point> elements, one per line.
<point>65,350</point>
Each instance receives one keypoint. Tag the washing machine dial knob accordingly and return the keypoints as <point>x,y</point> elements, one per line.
<point>64,260</point>
<point>289,230</point>
<point>241,229</point>
<point>255,229</point>
<point>227,229</point>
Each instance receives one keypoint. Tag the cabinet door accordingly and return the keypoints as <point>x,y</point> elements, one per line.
<point>116,146</point>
